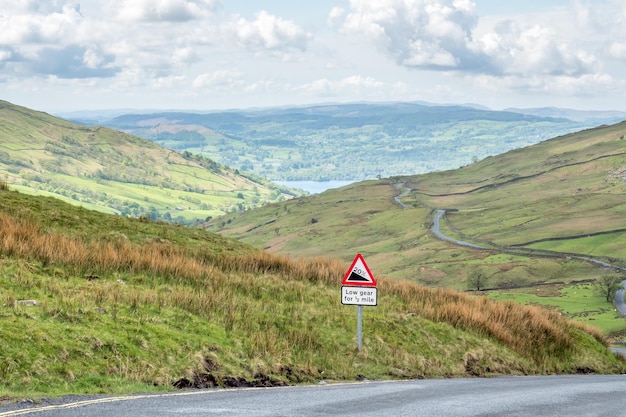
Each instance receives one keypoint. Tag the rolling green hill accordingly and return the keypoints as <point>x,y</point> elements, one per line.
<point>355,142</point>
<point>98,303</point>
<point>566,194</point>
<point>115,172</point>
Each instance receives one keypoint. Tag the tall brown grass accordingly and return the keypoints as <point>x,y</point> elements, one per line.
<point>532,331</point>
<point>316,270</point>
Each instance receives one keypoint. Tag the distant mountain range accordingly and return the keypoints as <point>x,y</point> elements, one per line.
<point>353,142</point>
<point>586,116</point>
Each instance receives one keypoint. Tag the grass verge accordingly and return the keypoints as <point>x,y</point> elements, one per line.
<point>93,303</point>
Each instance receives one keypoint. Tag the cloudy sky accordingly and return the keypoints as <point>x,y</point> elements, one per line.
<point>63,55</point>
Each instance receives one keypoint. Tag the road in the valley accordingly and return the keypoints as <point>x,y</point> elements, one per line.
<point>436,230</point>
<point>620,305</point>
<point>565,395</point>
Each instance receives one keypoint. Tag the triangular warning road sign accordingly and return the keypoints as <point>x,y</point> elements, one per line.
<point>359,274</point>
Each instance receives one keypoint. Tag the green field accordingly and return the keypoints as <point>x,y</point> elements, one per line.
<point>580,302</point>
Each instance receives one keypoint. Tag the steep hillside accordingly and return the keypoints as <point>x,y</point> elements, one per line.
<point>564,194</point>
<point>97,303</point>
<point>119,173</point>
<point>345,141</point>
<point>560,191</point>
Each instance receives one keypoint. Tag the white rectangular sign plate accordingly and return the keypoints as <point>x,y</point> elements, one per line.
<point>361,296</point>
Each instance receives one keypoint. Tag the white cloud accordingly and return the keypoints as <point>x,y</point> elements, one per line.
<point>359,81</point>
<point>26,6</point>
<point>562,85</point>
<point>442,35</point>
<point>335,16</point>
<point>618,50</point>
<point>164,10</point>
<point>356,84</point>
<point>219,80</point>
<point>185,56</point>
<point>168,81</point>
<point>34,27</point>
<point>263,87</point>
<point>417,33</point>
<point>94,57</point>
<point>534,50</point>
<point>269,33</point>
<point>45,38</point>
<point>607,26</point>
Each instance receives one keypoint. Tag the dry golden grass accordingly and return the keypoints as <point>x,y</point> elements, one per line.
<point>530,330</point>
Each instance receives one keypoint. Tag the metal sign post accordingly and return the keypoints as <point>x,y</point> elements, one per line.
<point>359,288</point>
<point>359,327</point>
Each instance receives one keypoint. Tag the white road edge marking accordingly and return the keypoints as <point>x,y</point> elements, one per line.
<point>168,394</point>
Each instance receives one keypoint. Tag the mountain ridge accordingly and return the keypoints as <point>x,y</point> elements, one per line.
<point>96,116</point>
<point>346,141</point>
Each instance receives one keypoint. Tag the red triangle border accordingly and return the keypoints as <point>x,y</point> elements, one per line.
<point>360,284</point>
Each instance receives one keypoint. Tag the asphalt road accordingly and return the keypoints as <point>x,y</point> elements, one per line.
<point>440,235</point>
<point>566,395</point>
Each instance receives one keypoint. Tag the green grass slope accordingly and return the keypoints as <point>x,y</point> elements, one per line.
<point>565,194</point>
<point>115,172</point>
<point>98,303</point>
<point>560,191</point>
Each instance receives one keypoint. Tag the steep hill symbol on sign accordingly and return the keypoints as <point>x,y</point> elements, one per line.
<point>359,274</point>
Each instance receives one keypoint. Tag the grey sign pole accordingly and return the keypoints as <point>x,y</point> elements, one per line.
<point>359,327</point>
<point>359,288</point>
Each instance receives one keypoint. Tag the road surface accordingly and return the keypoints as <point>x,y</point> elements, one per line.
<point>566,395</point>
<point>437,232</point>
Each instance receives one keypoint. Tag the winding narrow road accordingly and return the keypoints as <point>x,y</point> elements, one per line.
<point>396,199</point>
<point>620,304</point>
<point>436,230</point>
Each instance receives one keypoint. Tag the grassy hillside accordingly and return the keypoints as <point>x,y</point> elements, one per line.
<point>564,194</point>
<point>568,188</point>
<point>97,303</point>
<point>115,172</point>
